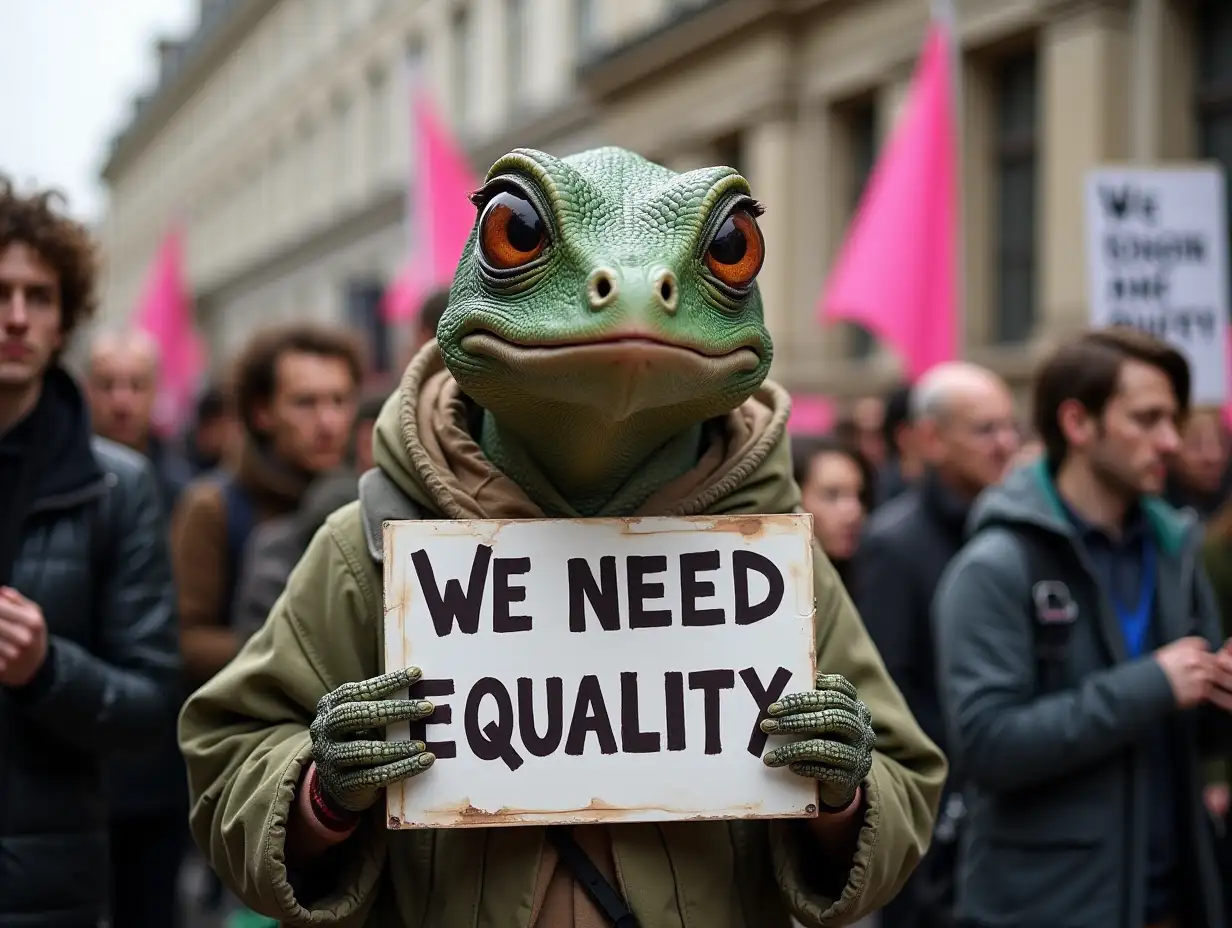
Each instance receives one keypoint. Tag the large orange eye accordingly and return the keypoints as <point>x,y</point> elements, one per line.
<point>511,233</point>
<point>737,250</point>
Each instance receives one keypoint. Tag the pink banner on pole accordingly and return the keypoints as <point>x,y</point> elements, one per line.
<point>811,414</point>
<point>896,273</point>
<point>165,312</point>
<point>442,213</point>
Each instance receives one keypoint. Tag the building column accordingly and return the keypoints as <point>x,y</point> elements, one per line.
<point>769,147</point>
<point>488,66</point>
<point>1085,119</point>
<point>1146,77</point>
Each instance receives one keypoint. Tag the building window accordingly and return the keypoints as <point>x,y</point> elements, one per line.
<point>1015,161</point>
<point>863,145</point>
<point>1214,34</point>
<point>586,23</point>
<point>364,316</point>
<point>516,38</point>
<point>461,62</point>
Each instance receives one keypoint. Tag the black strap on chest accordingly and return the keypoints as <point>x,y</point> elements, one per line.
<point>604,895</point>
<point>1051,606</point>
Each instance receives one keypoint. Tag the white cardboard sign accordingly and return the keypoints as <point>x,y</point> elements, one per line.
<point>1157,259</point>
<point>599,670</point>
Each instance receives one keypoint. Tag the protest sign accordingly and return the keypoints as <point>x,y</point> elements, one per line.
<point>1157,257</point>
<point>599,670</point>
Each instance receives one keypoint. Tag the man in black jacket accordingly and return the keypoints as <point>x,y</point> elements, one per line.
<point>963,420</point>
<point>88,646</point>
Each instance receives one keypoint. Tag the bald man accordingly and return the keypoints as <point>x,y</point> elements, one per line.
<point>147,793</point>
<point>121,386</point>
<point>962,419</point>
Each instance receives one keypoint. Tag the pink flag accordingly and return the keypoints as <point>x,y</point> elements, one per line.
<point>442,212</point>
<point>811,414</point>
<point>896,273</point>
<point>165,311</point>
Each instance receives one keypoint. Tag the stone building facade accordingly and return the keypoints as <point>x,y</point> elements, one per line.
<point>278,133</point>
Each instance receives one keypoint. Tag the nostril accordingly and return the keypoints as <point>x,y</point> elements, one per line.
<point>601,287</point>
<point>667,289</point>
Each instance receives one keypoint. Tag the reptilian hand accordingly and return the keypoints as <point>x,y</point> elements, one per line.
<point>352,765</point>
<point>839,752</point>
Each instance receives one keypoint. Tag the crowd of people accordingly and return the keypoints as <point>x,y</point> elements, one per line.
<point>1051,598</point>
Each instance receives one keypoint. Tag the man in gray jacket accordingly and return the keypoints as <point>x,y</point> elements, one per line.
<point>1082,674</point>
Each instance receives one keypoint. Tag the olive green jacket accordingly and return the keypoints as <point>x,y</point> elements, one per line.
<point>245,737</point>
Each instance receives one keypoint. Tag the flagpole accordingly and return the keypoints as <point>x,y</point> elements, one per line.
<point>943,12</point>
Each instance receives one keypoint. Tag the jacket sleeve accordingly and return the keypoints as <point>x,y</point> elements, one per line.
<point>1003,735</point>
<point>245,739</point>
<point>897,619</point>
<point>902,790</point>
<point>1214,724</point>
<point>199,559</point>
<point>119,695</point>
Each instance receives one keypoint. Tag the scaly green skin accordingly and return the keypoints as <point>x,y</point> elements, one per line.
<point>588,425</point>
<point>355,770</point>
<point>840,754</point>
<point>604,427</point>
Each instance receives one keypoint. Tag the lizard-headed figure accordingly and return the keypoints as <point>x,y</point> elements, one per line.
<point>602,354</point>
<point>603,309</point>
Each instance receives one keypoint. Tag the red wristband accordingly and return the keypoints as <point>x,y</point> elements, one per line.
<point>331,815</point>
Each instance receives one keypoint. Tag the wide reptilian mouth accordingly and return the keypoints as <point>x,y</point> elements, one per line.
<point>610,345</point>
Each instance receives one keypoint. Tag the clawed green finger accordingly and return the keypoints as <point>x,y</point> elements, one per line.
<point>812,701</point>
<point>351,717</point>
<point>368,753</point>
<point>387,774</point>
<point>834,682</point>
<point>830,754</point>
<point>842,725</point>
<point>377,688</point>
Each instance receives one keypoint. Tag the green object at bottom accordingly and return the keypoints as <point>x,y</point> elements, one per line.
<point>243,918</point>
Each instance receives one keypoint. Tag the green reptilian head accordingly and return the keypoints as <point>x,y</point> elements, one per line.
<point>604,291</point>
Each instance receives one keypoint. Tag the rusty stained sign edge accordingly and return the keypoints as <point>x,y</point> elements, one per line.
<point>475,818</point>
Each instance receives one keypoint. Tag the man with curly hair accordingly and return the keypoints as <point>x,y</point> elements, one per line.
<point>88,645</point>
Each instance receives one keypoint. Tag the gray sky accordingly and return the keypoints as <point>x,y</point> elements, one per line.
<point>68,71</point>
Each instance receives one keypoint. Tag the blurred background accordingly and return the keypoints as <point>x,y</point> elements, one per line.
<point>277,132</point>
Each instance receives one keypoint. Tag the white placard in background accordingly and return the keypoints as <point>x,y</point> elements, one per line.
<point>1157,258</point>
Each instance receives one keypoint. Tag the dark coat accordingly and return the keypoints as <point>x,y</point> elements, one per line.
<point>1057,777</point>
<point>905,549</point>
<point>92,554</point>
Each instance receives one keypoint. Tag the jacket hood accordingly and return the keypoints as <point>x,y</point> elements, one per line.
<point>1028,496</point>
<point>424,442</point>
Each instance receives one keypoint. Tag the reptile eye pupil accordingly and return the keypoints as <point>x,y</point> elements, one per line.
<point>603,287</point>
<point>730,244</point>
<point>524,230</point>
<point>512,233</point>
<point>736,251</point>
